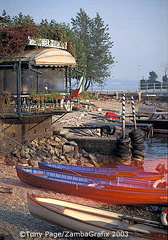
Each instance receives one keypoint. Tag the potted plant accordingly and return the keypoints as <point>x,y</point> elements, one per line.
<point>54,95</point>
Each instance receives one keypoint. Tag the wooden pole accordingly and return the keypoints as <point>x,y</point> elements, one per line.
<point>133,112</point>
<point>139,95</point>
<point>123,116</point>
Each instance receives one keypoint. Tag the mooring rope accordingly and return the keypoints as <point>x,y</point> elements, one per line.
<point>123,116</point>
<point>133,112</point>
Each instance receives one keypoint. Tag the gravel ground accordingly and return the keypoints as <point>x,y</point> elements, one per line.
<point>15,218</point>
<point>14,213</point>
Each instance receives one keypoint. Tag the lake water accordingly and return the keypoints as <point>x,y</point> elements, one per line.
<point>118,85</point>
<point>157,146</point>
<point>156,152</point>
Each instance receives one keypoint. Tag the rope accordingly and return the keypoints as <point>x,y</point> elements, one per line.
<point>133,112</point>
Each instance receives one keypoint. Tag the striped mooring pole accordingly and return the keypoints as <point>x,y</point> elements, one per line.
<point>123,116</point>
<point>133,112</point>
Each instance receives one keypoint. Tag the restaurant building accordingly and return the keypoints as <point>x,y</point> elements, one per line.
<point>43,70</point>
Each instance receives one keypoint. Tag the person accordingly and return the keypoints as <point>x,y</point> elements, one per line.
<point>46,87</point>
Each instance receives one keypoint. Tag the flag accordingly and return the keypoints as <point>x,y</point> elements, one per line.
<point>80,85</point>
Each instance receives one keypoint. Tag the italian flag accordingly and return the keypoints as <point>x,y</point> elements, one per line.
<point>80,85</point>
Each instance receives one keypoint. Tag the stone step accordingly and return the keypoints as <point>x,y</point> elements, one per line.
<point>60,131</point>
<point>68,135</point>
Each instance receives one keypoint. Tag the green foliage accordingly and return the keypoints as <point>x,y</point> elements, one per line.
<point>88,41</point>
<point>50,96</point>
<point>81,28</point>
<point>84,95</point>
<point>13,39</point>
<point>53,95</point>
<point>96,46</point>
<point>16,21</point>
<point>152,76</point>
<point>100,46</point>
<point>50,30</point>
<point>14,34</point>
<point>165,78</point>
<point>22,20</point>
<point>5,19</point>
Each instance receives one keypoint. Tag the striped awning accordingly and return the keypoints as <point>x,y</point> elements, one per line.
<point>48,57</point>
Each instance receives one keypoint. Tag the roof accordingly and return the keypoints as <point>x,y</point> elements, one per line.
<point>50,57</point>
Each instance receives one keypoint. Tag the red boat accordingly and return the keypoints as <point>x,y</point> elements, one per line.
<point>105,173</point>
<point>119,191</point>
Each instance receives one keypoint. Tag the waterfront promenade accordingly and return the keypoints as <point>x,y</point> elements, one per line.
<point>137,93</point>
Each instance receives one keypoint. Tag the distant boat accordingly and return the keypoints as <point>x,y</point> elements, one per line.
<point>105,173</point>
<point>88,220</point>
<point>159,120</point>
<point>119,191</point>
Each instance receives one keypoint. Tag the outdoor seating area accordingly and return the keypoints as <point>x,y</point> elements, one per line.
<point>32,105</point>
<point>37,81</point>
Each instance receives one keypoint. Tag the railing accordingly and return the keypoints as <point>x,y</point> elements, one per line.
<point>153,86</point>
<point>36,105</point>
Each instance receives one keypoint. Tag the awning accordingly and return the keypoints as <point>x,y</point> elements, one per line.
<point>50,57</point>
<point>54,57</point>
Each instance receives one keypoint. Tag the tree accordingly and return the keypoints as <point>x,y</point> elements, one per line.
<point>81,29</point>
<point>14,34</point>
<point>95,38</point>
<point>165,78</point>
<point>100,55</point>
<point>22,20</point>
<point>50,30</point>
<point>88,41</point>
<point>4,19</point>
<point>75,46</point>
<point>152,76</point>
<point>13,39</point>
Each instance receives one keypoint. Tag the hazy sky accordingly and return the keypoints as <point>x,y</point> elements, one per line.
<point>138,28</point>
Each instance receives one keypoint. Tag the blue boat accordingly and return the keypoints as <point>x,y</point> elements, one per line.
<point>100,172</point>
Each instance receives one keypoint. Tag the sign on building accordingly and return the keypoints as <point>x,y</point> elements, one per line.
<point>47,43</point>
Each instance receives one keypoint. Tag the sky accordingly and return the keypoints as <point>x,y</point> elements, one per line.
<point>138,30</point>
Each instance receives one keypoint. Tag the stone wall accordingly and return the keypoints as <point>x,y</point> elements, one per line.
<point>15,131</point>
<point>55,149</point>
<point>99,145</point>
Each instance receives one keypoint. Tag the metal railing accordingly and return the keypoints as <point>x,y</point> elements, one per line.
<point>34,106</point>
<point>153,86</point>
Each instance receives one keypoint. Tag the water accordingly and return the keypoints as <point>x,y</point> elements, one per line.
<point>157,147</point>
<point>118,85</point>
<point>156,152</point>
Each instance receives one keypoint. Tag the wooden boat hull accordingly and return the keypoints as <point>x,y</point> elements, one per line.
<point>120,191</point>
<point>165,131</point>
<point>91,221</point>
<point>105,173</point>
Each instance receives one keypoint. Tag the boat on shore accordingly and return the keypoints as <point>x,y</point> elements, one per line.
<point>159,120</point>
<point>93,222</point>
<point>100,172</point>
<point>120,191</point>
